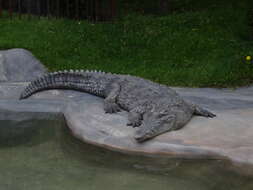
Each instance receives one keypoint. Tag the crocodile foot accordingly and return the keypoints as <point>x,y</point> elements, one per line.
<point>134,119</point>
<point>111,107</point>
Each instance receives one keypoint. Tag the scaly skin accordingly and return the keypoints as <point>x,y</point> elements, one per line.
<point>152,107</point>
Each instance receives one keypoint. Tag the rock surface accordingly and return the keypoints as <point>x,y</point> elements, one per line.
<point>18,65</point>
<point>228,136</point>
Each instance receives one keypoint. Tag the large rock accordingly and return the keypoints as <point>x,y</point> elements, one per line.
<point>18,65</point>
<point>228,136</point>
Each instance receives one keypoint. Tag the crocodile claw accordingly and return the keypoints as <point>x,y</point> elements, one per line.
<point>111,108</point>
<point>134,124</point>
<point>134,119</point>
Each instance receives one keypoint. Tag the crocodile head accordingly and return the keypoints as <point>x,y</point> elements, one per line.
<point>154,123</point>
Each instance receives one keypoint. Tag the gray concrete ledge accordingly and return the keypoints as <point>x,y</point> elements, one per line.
<point>228,136</point>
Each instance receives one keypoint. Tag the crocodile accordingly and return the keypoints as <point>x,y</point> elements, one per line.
<point>152,107</point>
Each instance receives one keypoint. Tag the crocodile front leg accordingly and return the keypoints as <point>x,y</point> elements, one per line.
<point>135,116</point>
<point>110,102</point>
<point>134,119</point>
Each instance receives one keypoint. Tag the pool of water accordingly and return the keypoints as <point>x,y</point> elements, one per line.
<point>47,157</point>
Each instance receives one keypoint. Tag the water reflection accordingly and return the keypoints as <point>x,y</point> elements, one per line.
<point>51,159</point>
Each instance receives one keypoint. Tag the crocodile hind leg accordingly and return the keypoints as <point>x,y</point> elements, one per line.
<point>110,102</point>
<point>203,112</point>
<point>197,110</point>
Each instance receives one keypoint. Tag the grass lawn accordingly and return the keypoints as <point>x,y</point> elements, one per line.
<point>201,43</point>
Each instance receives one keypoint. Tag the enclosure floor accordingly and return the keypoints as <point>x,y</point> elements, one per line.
<point>227,136</point>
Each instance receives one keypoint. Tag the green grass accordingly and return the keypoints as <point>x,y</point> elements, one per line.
<point>200,44</point>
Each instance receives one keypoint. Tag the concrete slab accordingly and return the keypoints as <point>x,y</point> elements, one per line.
<point>228,136</point>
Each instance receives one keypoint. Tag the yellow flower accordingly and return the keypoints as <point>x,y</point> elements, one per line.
<point>248,58</point>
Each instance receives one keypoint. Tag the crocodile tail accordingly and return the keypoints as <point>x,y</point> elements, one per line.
<point>74,80</point>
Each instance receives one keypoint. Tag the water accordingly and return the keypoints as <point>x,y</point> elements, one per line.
<point>51,159</point>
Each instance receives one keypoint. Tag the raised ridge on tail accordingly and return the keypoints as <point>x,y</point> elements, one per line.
<point>80,80</point>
